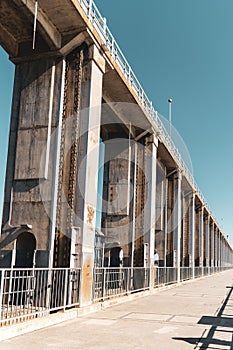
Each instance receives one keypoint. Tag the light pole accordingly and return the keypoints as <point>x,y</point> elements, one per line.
<point>170,115</point>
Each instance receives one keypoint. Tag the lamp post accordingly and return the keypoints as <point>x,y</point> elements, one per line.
<point>170,115</point>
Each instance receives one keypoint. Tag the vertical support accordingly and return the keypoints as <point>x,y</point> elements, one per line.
<point>215,247</point>
<point>90,8</point>
<point>150,205</point>
<point>207,241</point>
<point>192,234</point>
<point>134,208</point>
<point>90,118</point>
<point>165,219</point>
<point>66,286</point>
<point>212,244</point>
<point>201,218</point>
<point>2,275</point>
<point>183,226</point>
<point>177,222</point>
<point>56,170</point>
<point>219,249</point>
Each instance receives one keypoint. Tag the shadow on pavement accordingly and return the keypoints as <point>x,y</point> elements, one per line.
<point>218,336</point>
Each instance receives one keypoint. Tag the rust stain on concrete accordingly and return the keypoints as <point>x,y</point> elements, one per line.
<point>90,215</point>
<point>87,280</point>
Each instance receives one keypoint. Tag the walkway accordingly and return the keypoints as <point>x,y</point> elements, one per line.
<point>196,315</point>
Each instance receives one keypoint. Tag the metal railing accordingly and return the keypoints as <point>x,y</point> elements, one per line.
<point>99,24</point>
<point>169,275</point>
<point>30,293</point>
<point>186,273</point>
<point>110,282</point>
<point>165,275</point>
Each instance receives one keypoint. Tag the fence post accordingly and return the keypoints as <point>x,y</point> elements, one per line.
<point>1,291</point>
<point>128,280</point>
<point>65,289</point>
<point>90,8</point>
<point>104,282</point>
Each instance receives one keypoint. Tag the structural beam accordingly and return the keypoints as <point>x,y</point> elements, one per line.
<point>177,222</point>
<point>90,117</point>
<point>47,29</point>
<point>192,233</point>
<point>150,205</point>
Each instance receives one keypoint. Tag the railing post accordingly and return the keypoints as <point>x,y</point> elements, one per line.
<point>105,26</point>
<point>104,283</point>
<point>65,289</point>
<point>1,291</point>
<point>90,8</point>
<point>128,280</point>
<point>113,50</point>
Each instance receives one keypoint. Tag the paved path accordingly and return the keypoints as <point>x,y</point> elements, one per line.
<point>197,315</point>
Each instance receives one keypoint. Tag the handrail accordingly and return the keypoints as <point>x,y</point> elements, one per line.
<point>99,23</point>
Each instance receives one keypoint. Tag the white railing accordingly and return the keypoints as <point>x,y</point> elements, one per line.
<point>169,275</point>
<point>30,293</point>
<point>165,275</point>
<point>111,281</point>
<point>99,23</point>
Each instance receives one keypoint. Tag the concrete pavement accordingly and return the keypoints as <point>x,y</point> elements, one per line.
<point>195,315</point>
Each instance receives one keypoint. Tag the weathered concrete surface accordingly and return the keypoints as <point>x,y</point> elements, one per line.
<point>184,317</point>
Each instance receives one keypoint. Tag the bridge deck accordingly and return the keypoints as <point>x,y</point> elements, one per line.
<point>194,315</point>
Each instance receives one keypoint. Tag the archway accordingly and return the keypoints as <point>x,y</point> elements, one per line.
<point>25,248</point>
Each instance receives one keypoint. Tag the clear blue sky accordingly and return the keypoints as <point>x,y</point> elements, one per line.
<point>181,49</point>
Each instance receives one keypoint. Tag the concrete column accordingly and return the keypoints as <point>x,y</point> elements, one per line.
<point>165,220</point>
<point>150,205</point>
<point>225,254</point>
<point>212,244</point>
<point>219,248</point>
<point>30,190</point>
<point>183,226</point>
<point>91,99</point>
<point>215,247</point>
<point>177,222</point>
<point>207,240</point>
<point>223,251</point>
<point>201,219</point>
<point>192,233</point>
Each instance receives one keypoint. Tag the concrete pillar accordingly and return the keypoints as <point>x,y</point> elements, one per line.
<point>207,240</point>
<point>215,247</point>
<point>223,251</point>
<point>177,222</point>
<point>219,247</point>
<point>201,219</point>
<point>165,219</point>
<point>89,121</point>
<point>183,225</point>
<point>212,244</point>
<point>150,205</point>
<point>30,190</point>
<point>192,234</point>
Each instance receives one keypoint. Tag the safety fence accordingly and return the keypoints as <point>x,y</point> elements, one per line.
<point>31,293</point>
<point>169,275</point>
<point>109,282</point>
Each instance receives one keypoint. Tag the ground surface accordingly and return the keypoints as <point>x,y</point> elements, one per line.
<point>196,315</point>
